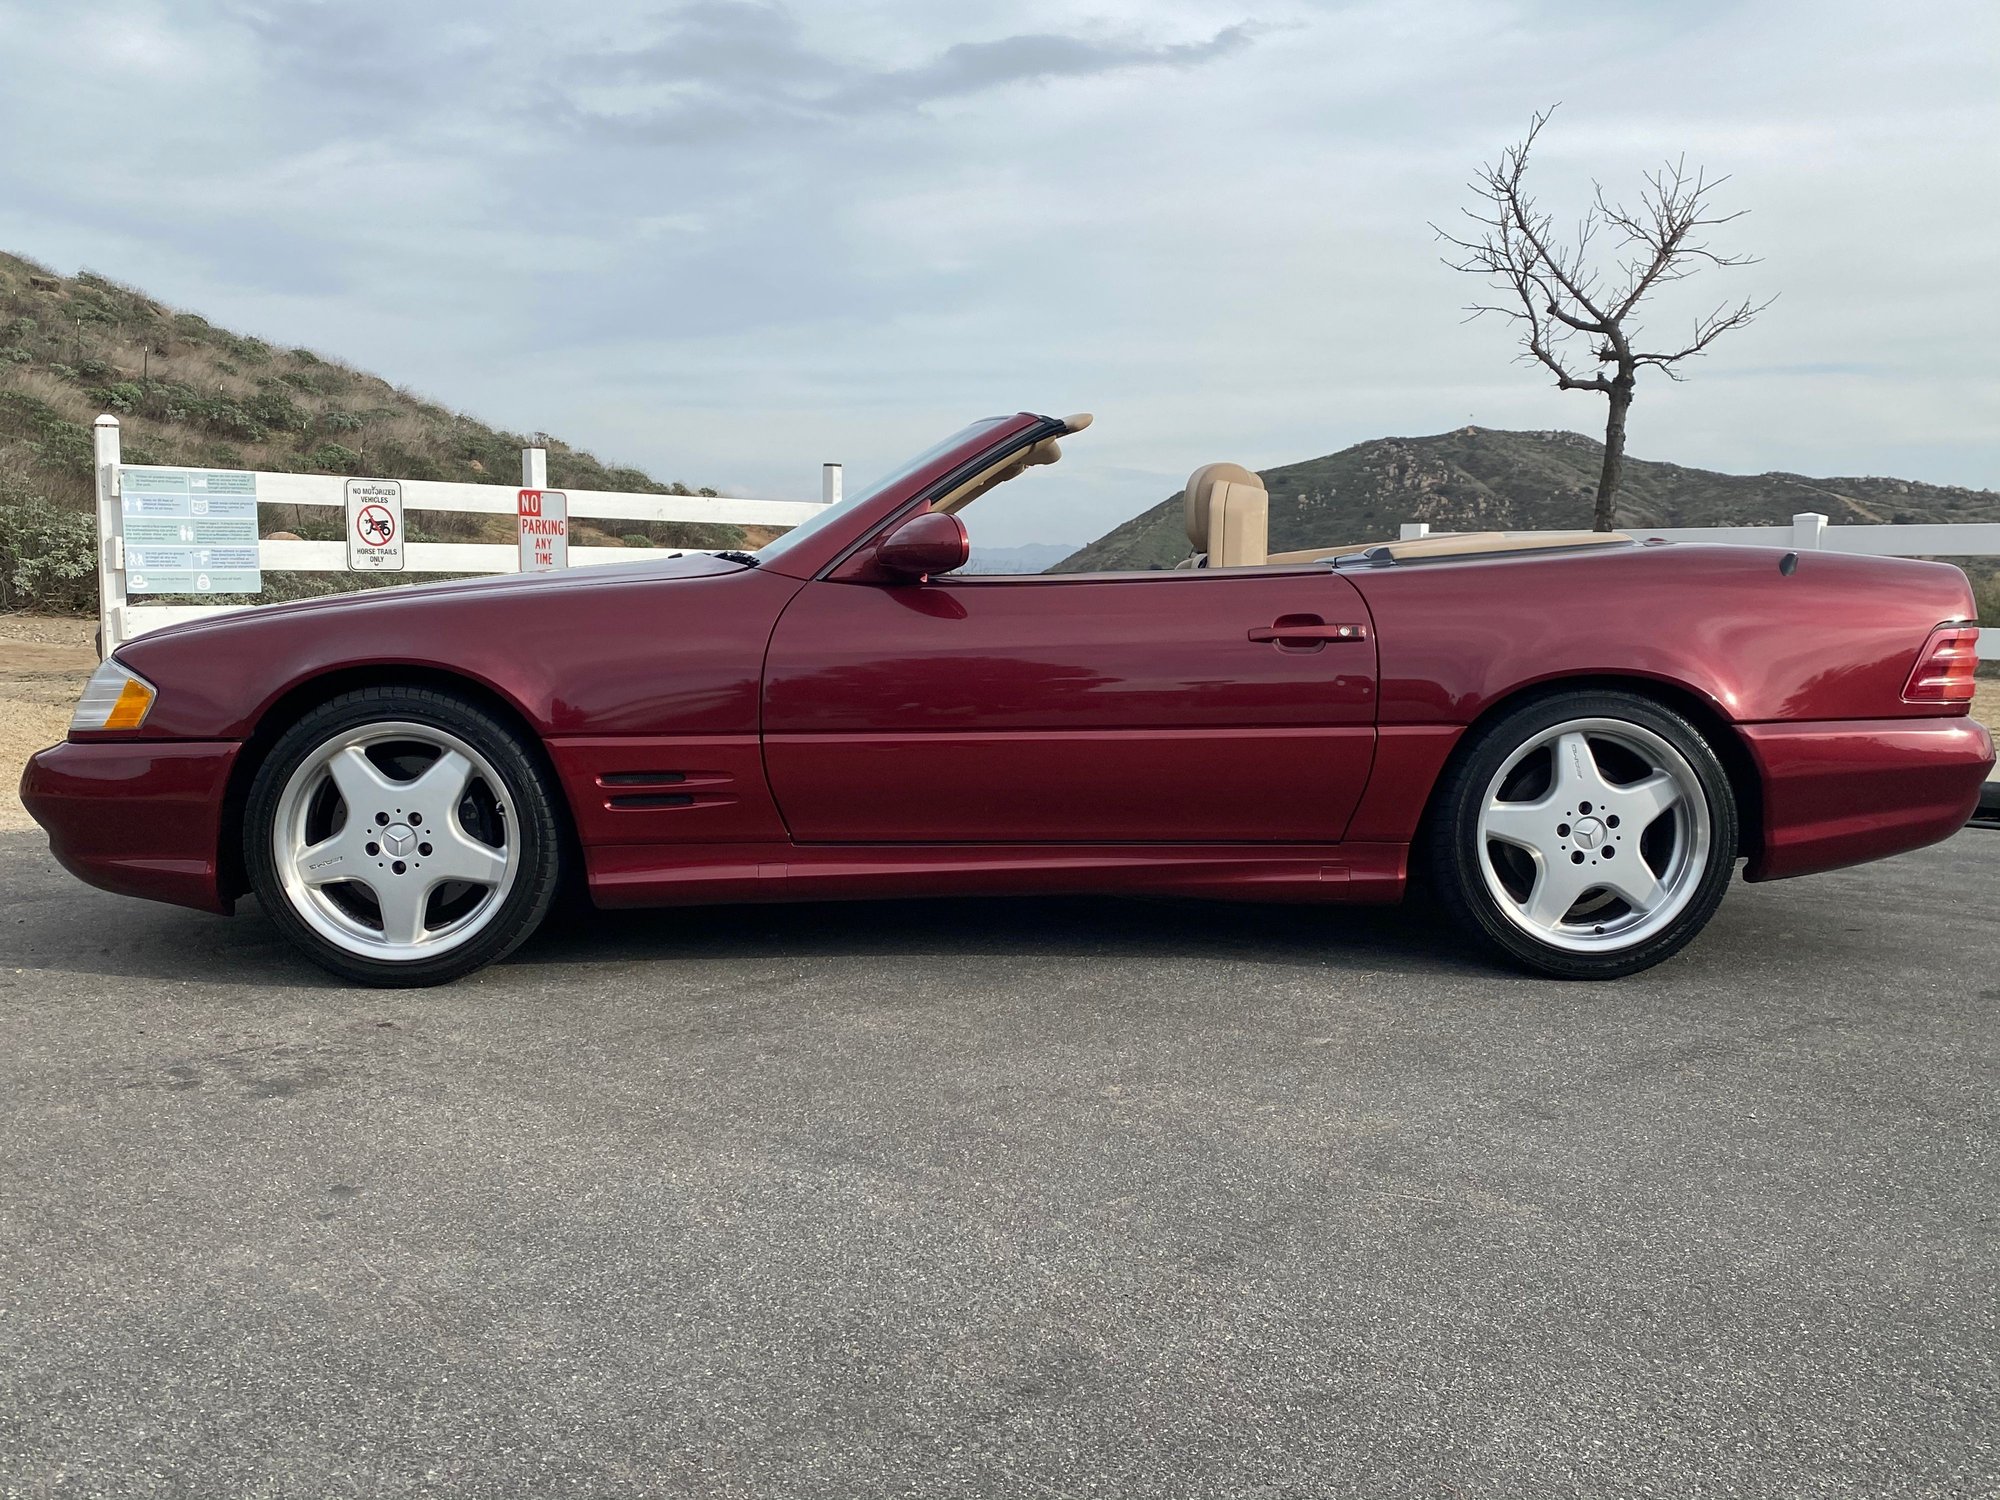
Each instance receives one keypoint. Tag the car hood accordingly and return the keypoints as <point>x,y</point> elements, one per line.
<point>590,576</point>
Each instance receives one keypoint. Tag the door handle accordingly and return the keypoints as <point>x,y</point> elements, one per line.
<point>1307,630</point>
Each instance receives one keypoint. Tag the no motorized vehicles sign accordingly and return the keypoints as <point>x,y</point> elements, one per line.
<point>544,530</point>
<point>374,524</point>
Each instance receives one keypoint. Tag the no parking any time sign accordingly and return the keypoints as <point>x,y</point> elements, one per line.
<point>374,524</point>
<point>544,530</point>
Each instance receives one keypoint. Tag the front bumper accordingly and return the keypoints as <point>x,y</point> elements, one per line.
<point>136,818</point>
<point>1842,793</point>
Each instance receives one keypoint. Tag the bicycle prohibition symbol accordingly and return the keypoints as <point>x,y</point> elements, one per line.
<point>375,526</point>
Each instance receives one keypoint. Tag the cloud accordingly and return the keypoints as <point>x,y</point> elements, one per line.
<point>975,67</point>
<point>727,67</point>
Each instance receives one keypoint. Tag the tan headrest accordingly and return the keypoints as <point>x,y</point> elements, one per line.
<point>1194,503</point>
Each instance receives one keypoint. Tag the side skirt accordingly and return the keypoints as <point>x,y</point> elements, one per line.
<point>624,875</point>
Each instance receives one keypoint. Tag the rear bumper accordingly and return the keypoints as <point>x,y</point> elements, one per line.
<point>1842,793</point>
<point>139,819</point>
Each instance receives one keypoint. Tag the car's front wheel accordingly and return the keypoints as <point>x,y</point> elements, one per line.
<point>1588,835</point>
<point>401,836</point>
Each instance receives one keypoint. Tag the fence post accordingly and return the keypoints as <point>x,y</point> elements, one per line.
<point>1809,531</point>
<point>829,483</point>
<point>534,468</point>
<point>110,536</point>
<point>1412,530</point>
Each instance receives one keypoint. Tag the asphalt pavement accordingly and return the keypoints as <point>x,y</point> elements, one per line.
<point>1013,1199</point>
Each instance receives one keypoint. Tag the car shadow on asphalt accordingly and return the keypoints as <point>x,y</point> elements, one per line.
<point>1080,927</point>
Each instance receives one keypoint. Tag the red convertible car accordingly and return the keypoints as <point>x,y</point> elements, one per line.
<point>1575,738</point>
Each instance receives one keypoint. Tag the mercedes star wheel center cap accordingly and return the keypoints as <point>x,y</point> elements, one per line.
<point>399,838</point>
<point>1588,833</point>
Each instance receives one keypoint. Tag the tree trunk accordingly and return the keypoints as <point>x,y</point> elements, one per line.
<point>1605,516</point>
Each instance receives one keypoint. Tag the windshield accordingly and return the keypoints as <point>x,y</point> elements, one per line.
<point>830,514</point>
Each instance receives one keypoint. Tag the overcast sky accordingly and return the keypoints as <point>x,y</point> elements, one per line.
<point>729,239</point>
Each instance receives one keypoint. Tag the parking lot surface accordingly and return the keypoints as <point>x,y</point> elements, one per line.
<point>1053,1198</point>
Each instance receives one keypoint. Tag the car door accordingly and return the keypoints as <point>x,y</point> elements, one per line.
<point>1197,706</point>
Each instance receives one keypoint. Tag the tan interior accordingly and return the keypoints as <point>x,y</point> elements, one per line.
<point>1239,525</point>
<point>1458,544</point>
<point>1196,498</point>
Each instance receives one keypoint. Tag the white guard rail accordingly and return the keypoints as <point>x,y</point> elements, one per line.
<point>119,619</point>
<point>1810,532</point>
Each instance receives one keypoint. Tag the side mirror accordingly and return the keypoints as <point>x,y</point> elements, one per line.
<point>923,545</point>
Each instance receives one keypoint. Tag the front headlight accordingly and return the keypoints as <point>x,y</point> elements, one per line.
<point>114,698</point>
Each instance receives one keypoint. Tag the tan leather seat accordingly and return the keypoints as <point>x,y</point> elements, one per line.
<point>1228,516</point>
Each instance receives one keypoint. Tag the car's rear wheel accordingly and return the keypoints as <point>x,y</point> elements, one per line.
<point>1587,835</point>
<point>401,836</point>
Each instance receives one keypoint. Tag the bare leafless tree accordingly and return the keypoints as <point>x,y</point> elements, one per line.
<point>1559,295</point>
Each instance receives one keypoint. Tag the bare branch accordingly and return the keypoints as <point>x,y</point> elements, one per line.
<point>1553,290</point>
<point>1706,332</point>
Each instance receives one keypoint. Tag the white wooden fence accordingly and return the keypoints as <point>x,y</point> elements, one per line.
<point>1810,532</point>
<point>119,619</point>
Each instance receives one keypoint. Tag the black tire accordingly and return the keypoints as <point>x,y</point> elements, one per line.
<point>1456,851</point>
<point>534,829</point>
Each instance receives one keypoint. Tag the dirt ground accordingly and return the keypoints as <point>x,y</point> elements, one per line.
<point>43,665</point>
<point>44,661</point>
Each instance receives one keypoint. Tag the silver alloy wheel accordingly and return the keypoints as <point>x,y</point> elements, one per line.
<point>371,843</point>
<point>1594,835</point>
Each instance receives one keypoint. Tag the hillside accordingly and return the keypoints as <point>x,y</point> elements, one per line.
<point>1479,479</point>
<point>187,392</point>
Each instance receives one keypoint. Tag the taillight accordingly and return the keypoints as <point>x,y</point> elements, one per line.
<point>1946,667</point>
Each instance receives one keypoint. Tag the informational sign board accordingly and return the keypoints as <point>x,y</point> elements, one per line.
<point>544,530</point>
<point>375,525</point>
<point>190,531</point>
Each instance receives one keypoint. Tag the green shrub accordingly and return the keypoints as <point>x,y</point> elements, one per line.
<point>67,449</point>
<point>636,539</point>
<point>334,458</point>
<point>276,409</point>
<point>227,417</point>
<point>338,421</point>
<point>125,397</point>
<point>48,557</point>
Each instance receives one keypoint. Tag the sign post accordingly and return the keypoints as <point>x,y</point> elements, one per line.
<point>544,518</point>
<point>375,525</point>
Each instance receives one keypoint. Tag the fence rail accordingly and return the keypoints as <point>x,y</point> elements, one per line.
<point>120,619</point>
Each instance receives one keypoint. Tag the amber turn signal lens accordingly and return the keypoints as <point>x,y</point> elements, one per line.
<point>114,698</point>
<point>130,709</point>
<point>1946,667</point>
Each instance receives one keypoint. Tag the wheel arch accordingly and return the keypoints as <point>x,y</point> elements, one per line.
<point>1745,782</point>
<point>304,696</point>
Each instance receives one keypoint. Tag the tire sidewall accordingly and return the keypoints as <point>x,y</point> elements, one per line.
<point>1457,858</point>
<point>535,826</point>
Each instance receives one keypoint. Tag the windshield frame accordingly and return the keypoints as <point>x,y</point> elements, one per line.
<point>809,548</point>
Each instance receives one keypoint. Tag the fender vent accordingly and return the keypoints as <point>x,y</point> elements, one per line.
<point>642,778</point>
<point>635,800</point>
